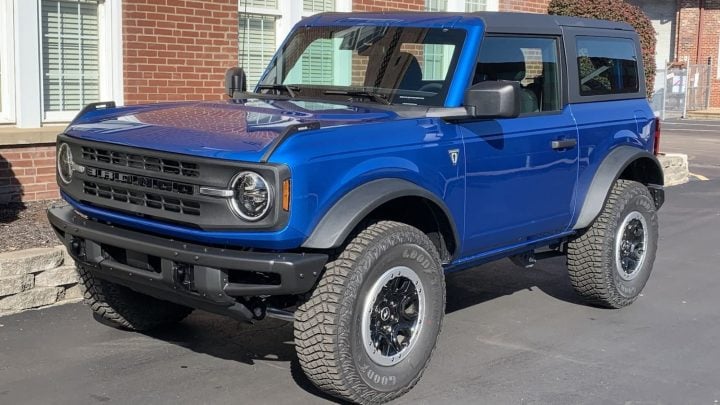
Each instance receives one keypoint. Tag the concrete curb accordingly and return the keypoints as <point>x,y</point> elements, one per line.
<point>675,168</point>
<point>36,278</point>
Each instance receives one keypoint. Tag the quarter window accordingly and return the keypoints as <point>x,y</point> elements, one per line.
<point>607,66</point>
<point>533,62</point>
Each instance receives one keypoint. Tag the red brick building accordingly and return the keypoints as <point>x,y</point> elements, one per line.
<point>57,55</point>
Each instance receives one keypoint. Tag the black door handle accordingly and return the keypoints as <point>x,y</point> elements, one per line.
<point>564,143</point>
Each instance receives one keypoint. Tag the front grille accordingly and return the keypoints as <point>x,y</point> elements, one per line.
<point>137,161</point>
<point>162,186</point>
<point>142,198</point>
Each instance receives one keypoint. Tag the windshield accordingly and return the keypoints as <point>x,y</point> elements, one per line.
<point>387,65</point>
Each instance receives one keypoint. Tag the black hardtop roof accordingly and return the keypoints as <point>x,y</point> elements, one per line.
<point>501,22</point>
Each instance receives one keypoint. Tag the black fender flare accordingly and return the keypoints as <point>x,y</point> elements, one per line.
<point>340,220</point>
<point>610,170</point>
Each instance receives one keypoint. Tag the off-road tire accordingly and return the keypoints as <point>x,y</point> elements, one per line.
<point>591,255</point>
<point>122,307</point>
<point>328,325</point>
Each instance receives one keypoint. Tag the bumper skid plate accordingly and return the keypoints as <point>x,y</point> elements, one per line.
<point>204,277</point>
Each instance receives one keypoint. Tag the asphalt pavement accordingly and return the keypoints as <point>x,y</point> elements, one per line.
<point>510,336</point>
<point>699,139</point>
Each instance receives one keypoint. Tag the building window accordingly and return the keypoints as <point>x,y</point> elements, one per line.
<point>263,25</point>
<point>256,43</point>
<point>436,5</point>
<point>70,56</point>
<point>318,6</point>
<point>475,5</point>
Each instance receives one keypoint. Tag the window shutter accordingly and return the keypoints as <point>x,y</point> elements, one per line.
<point>475,5</point>
<point>271,4</point>
<point>256,42</point>
<point>435,5</point>
<point>318,6</point>
<point>70,54</point>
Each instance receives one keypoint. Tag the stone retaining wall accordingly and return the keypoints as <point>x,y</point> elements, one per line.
<point>35,278</point>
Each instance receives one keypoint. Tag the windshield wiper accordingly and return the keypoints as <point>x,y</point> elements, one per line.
<point>377,97</point>
<point>290,90</point>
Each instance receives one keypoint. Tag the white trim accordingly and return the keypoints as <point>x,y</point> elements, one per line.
<point>28,71</point>
<point>492,5</point>
<point>292,13</point>
<point>717,60</point>
<point>7,65</point>
<point>343,6</point>
<point>111,47</point>
<point>455,6</point>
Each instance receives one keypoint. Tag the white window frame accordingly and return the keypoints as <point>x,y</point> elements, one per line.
<point>7,62</point>
<point>110,59</point>
<point>459,5</point>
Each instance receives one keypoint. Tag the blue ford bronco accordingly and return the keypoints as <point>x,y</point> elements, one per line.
<point>377,153</point>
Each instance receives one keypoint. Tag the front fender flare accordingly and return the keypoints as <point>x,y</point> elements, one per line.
<point>609,170</point>
<point>337,224</point>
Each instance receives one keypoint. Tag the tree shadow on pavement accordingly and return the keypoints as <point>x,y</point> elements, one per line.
<point>10,193</point>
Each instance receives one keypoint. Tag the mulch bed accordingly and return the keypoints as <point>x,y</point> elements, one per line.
<point>25,225</point>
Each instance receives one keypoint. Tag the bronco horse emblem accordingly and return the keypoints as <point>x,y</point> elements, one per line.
<point>454,153</point>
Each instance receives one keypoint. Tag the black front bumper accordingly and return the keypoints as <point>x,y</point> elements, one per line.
<point>204,277</point>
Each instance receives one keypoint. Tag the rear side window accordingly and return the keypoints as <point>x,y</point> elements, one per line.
<point>607,66</point>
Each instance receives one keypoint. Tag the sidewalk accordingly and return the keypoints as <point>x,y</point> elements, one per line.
<point>709,114</point>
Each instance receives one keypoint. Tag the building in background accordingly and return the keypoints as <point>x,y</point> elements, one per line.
<point>58,55</point>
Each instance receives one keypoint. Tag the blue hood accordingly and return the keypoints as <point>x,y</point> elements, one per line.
<point>235,129</point>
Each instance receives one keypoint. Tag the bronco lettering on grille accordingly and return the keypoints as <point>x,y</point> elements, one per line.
<point>141,181</point>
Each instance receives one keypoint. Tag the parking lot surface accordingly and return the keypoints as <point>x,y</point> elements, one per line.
<point>510,336</point>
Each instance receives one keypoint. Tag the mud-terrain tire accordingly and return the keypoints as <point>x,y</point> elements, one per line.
<point>122,307</point>
<point>385,263</point>
<point>625,234</point>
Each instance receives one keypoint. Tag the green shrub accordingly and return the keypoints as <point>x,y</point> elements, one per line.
<point>615,10</point>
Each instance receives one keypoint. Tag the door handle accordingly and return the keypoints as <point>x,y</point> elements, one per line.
<point>564,143</point>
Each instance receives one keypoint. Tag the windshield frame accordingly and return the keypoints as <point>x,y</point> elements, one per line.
<point>457,37</point>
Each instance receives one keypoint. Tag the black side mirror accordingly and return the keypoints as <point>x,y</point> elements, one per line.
<point>235,81</point>
<point>494,99</point>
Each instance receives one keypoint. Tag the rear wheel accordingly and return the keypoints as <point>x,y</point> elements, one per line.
<point>120,306</point>
<point>371,325</point>
<point>610,262</point>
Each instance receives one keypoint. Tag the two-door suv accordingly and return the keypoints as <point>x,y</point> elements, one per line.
<point>377,153</point>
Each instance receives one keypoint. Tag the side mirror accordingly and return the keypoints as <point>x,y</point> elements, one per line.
<point>235,80</point>
<point>494,99</point>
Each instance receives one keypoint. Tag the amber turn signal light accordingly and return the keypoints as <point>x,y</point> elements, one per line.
<point>286,195</point>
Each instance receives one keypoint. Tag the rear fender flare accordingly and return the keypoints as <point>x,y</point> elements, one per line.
<point>610,170</point>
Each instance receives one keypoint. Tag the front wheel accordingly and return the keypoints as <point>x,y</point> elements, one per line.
<point>122,307</point>
<point>371,325</point>
<point>610,262</point>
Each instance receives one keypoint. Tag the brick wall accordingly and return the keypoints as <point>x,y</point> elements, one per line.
<point>178,49</point>
<point>526,6</point>
<point>687,40</point>
<point>27,173</point>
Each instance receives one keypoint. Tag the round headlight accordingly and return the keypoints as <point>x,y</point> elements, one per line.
<point>65,163</point>
<point>253,196</point>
